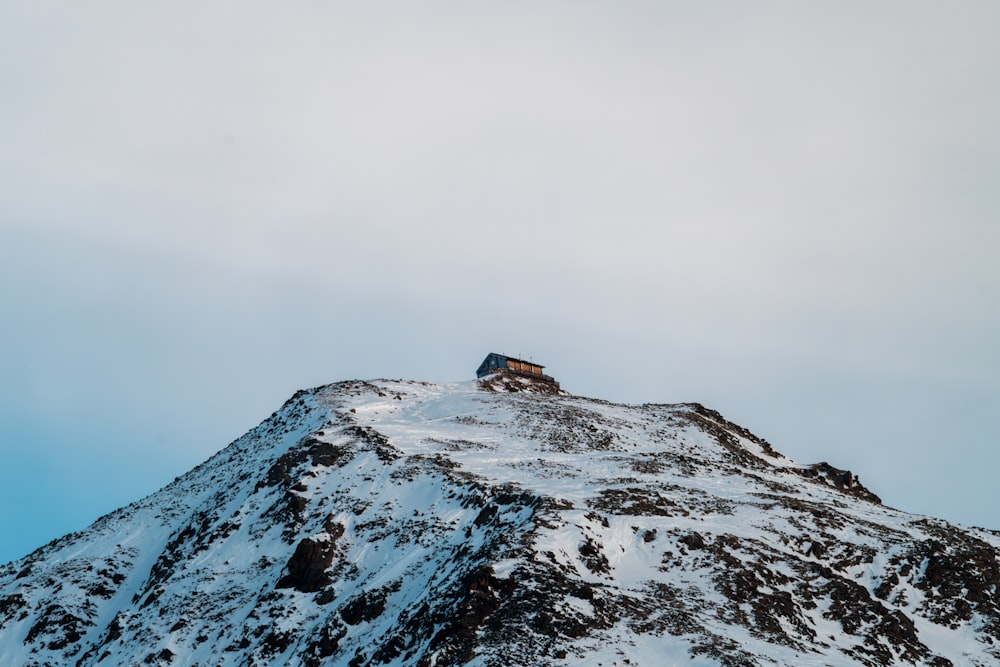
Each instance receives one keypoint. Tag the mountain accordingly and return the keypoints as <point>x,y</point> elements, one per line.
<point>504,522</point>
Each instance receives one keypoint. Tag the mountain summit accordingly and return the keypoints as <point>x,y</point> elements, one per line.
<point>503,522</point>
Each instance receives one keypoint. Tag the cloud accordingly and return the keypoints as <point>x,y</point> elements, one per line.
<point>787,211</point>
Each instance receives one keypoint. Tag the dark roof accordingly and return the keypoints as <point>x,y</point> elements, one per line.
<point>510,358</point>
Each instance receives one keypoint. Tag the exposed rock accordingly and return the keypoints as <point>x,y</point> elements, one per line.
<point>842,480</point>
<point>307,568</point>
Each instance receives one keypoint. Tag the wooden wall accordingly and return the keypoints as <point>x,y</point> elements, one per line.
<point>524,367</point>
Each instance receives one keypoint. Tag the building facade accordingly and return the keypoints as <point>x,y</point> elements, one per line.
<point>501,363</point>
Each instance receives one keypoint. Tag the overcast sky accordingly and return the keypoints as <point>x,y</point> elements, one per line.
<point>786,211</point>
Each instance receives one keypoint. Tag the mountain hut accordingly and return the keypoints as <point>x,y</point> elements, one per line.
<point>500,363</point>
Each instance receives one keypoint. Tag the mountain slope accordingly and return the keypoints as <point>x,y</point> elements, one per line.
<point>503,523</point>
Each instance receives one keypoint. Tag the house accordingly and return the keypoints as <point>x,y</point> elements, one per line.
<point>499,363</point>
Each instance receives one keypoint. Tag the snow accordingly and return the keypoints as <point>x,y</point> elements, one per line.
<point>199,560</point>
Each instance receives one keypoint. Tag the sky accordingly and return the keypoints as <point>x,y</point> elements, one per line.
<point>784,211</point>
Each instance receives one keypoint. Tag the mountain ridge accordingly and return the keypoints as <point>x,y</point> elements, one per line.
<point>501,522</point>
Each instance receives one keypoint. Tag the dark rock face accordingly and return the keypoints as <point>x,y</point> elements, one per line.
<point>377,523</point>
<point>311,449</point>
<point>958,574</point>
<point>842,480</point>
<point>516,383</point>
<point>366,607</point>
<point>10,606</point>
<point>478,595</point>
<point>307,568</point>
<point>56,628</point>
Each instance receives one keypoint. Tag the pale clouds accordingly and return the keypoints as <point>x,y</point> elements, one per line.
<point>786,211</point>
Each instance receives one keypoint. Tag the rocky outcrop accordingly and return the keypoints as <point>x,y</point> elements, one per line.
<point>842,480</point>
<point>307,568</point>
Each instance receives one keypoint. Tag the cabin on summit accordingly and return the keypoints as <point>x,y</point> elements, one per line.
<point>499,363</point>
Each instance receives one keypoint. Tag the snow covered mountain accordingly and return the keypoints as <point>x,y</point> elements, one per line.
<point>503,522</point>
